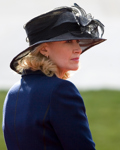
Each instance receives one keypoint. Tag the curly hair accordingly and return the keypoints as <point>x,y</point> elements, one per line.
<point>36,61</point>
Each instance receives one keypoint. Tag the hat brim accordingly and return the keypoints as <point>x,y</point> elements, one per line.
<point>86,42</point>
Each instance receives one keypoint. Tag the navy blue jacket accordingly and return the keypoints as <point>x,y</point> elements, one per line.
<point>45,113</point>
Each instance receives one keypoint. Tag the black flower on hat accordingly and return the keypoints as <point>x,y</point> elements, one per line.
<point>86,22</point>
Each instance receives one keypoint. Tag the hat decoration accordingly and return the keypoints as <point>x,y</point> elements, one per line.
<point>87,22</point>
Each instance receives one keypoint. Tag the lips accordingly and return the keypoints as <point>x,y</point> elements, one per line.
<point>75,59</point>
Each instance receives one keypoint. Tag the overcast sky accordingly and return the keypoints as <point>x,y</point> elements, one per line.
<point>100,66</point>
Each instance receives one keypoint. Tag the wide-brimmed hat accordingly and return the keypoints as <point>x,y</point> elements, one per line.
<point>61,24</point>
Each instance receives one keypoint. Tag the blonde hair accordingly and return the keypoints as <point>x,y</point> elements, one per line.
<point>36,61</point>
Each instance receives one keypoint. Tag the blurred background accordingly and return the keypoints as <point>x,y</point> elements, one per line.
<point>100,66</point>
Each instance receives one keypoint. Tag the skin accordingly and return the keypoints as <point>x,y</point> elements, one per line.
<point>65,54</point>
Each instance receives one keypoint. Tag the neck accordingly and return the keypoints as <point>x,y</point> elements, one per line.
<point>60,74</point>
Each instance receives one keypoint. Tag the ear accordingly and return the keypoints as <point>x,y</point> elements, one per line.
<point>44,50</point>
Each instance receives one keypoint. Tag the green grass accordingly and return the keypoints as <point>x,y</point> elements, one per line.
<point>2,97</point>
<point>103,111</point>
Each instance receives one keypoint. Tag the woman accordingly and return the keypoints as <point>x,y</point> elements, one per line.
<point>44,111</point>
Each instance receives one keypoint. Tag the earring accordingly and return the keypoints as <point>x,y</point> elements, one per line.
<point>46,56</point>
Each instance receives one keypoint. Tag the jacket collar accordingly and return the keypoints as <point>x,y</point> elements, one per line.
<point>30,72</point>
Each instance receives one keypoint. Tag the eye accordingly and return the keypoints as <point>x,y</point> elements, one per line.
<point>78,41</point>
<point>69,41</point>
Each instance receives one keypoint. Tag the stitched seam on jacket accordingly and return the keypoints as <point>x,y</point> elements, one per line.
<point>15,120</point>
<point>44,141</point>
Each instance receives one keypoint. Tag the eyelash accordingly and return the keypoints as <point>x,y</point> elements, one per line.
<point>70,41</point>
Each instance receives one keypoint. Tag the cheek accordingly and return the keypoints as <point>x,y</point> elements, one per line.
<point>60,60</point>
<point>58,56</point>
<point>54,57</point>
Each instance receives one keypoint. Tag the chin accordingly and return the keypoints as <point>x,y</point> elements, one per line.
<point>75,69</point>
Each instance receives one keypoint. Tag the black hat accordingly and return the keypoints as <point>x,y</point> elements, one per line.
<point>60,24</point>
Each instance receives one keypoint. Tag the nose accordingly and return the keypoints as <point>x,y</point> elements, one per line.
<point>77,48</point>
